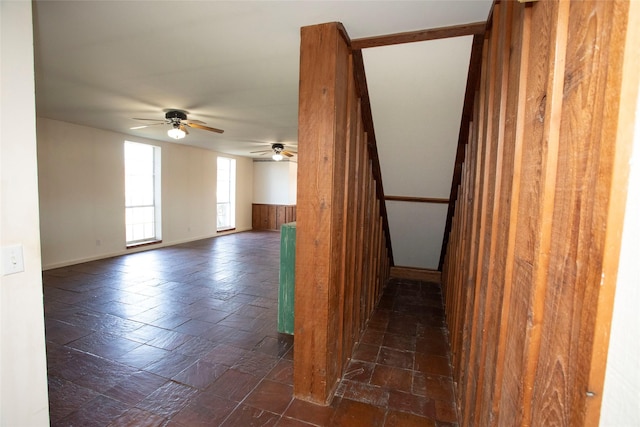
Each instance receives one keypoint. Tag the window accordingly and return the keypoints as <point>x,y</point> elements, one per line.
<point>142,193</point>
<point>226,194</point>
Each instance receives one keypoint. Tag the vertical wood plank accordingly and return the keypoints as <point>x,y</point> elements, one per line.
<point>476,215</point>
<point>366,250</point>
<point>514,131</point>
<point>626,73</point>
<point>541,153</point>
<point>255,217</point>
<point>582,194</point>
<point>280,216</point>
<point>348,261</point>
<point>490,305</point>
<point>360,227</point>
<point>485,198</point>
<point>270,217</point>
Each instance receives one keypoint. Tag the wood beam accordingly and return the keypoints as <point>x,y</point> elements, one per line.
<point>416,199</point>
<point>475,28</point>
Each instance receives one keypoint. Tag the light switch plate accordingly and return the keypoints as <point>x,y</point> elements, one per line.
<point>12,260</point>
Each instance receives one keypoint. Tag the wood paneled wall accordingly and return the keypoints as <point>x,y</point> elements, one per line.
<point>343,255</point>
<point>271,217</point>
<point>530,266</point>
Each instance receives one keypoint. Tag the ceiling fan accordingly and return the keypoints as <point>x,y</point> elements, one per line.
<point>278,151</point>
<point>179,124</point>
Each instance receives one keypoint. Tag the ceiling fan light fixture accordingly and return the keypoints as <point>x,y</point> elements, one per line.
<point>176,133</point>
<point>277,151</point>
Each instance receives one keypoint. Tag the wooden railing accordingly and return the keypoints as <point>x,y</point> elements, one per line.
<point>343,252</point>
<point>473,76</point>
<point>530,266</point>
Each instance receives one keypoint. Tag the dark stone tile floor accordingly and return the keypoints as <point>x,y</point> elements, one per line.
<point>187,336</point>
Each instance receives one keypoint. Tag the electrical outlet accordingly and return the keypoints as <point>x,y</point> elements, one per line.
<point>12,260</point>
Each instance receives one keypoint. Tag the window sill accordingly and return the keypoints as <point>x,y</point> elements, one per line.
<point>138,245</point>
<point>224,230</point>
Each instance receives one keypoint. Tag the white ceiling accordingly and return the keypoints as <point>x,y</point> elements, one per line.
<point>231,64</point>
<point>234,65</point>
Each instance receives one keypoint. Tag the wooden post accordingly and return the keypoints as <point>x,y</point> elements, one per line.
<point>324,59</point>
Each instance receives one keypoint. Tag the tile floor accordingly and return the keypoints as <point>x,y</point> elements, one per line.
<point>187,336</point>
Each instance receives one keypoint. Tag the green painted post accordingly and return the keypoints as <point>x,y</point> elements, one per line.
<point>287,277</point>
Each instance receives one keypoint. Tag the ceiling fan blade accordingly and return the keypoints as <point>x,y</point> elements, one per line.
<point>151,120</point>
<point>146,126</point>
<point>197,126</point>
<point>184,129</point>
<point>261,151</point>
<point>286,153</point>
<point>194,121</point>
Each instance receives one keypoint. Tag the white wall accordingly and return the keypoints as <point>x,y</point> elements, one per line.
<point>621,397</point>
<point>23,373</point>
<point>416,233</point>
<point>81,178</point>
<point>293,182</point>
<point>244,193</point>
<point>417,136</point>
<point>275,183</point>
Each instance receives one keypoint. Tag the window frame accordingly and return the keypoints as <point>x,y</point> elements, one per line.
<point>231,191</point>
<point>156,198</point>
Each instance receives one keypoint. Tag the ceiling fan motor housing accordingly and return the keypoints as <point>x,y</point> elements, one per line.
<point>175,114</point>
<point>277,147</point>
